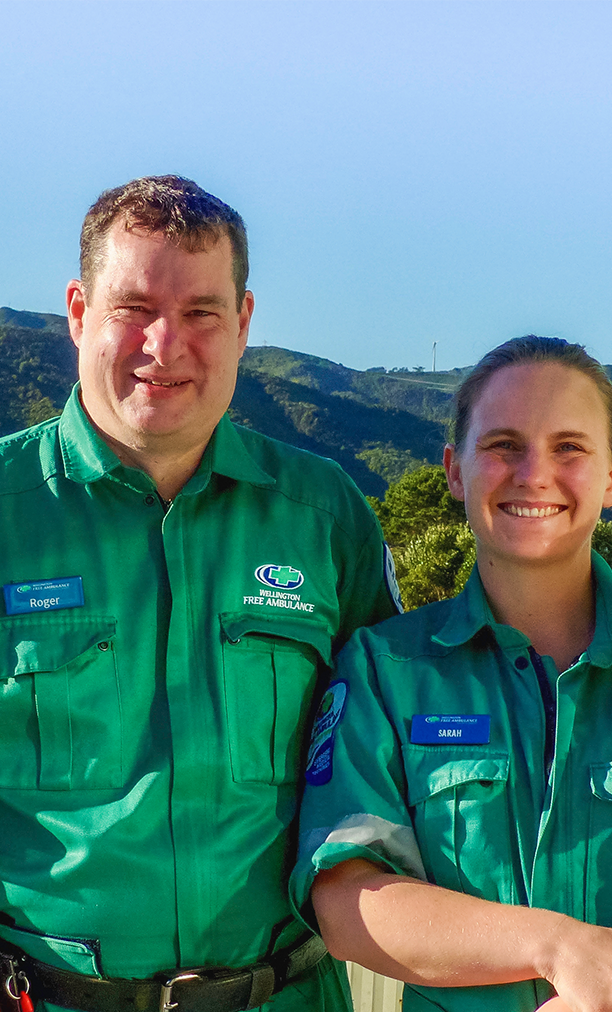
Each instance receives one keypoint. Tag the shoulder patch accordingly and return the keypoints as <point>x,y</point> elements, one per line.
<point>391,580</point>
<point>320,754</point>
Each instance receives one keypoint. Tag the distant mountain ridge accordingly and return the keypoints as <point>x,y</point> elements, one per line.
<point>375,423</point>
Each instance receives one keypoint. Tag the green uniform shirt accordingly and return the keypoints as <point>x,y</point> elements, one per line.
<point>151,740</point>
<point>482,818</point>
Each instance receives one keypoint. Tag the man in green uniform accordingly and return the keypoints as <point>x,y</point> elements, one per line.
<point>174,588</point>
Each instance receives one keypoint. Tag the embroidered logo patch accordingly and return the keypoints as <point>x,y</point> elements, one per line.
<point>279,577</point>
<point>320,754</point>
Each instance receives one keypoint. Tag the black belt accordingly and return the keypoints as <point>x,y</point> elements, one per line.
<point>206,989</point>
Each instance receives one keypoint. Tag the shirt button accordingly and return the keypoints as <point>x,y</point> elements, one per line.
<point>521,663</point>
<point>149,499</point>
<point>104,645</point>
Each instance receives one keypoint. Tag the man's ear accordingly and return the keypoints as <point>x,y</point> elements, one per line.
<point>244,319</point>
<point>452,466</point>
<point>75,301</point>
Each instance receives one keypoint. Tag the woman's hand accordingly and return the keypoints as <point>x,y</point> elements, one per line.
<point>434,937</point>
<point>580,969</point>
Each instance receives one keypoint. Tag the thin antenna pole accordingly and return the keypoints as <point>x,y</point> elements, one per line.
<point>433,357</point>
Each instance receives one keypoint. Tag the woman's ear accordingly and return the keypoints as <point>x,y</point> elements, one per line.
<point>452,466</point>
<point>607,501</point>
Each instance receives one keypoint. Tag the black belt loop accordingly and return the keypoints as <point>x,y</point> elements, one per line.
<point>263,980</point>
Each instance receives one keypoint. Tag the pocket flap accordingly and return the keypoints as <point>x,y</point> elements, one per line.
<point>235,625</point>
<point>64,953</point>
<point>601,780</point>
<point>28,645</point>
<point>429,772</point>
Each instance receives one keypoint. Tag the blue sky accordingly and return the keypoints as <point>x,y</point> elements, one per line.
<point>410,171</point>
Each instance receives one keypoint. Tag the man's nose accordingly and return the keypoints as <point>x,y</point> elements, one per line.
<point>162,341</point>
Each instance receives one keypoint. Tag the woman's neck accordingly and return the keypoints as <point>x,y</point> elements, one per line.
<point>554,605</point>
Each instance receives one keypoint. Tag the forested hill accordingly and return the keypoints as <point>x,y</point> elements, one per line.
<point>37,367</point>
<point>376,423</point>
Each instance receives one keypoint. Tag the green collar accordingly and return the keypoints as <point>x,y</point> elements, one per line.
<point>87,458</point>
<point>471,613</point>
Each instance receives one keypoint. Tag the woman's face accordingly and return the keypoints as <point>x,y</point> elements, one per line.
<point>536,467</point>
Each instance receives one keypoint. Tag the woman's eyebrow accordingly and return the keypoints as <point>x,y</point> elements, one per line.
<point>571,434</point>
<point>504,431</point>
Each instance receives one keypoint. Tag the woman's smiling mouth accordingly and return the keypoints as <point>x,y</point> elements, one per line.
<point>530,511</point>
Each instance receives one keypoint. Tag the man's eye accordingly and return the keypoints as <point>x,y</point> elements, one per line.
<point>200,312</point>
<point>569,448</point>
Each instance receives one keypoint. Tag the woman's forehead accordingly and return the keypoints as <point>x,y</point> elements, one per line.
<point>539,389</point>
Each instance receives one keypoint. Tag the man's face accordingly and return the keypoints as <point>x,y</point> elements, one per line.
<point>159,341</point>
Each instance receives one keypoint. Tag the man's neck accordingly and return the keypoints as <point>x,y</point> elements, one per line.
<point>554,605</point>
<point>169,469</point>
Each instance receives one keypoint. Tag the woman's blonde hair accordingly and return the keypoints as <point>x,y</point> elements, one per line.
<point>519,351</point>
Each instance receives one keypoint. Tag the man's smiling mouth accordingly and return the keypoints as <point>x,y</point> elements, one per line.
<point>160,383</point>
<point>530,511</point>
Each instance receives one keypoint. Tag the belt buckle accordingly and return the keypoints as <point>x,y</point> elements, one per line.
<point>165,1001</point>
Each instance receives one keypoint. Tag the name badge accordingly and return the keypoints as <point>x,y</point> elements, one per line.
<point>451,729</point>
<point>43,595</point>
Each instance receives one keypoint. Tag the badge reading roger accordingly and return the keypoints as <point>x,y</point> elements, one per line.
<point>319,765</point>
<point>43,595</point>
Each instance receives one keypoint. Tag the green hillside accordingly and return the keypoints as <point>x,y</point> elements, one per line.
<point>38,365</point>
<point>376,424</point>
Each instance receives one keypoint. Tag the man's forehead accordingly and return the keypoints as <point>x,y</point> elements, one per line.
<point>124,228</point>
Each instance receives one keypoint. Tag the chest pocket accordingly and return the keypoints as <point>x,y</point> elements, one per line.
<point>60,718</point>
<point>459,804</point>
<point>598,881</point>
<point>270,670</point>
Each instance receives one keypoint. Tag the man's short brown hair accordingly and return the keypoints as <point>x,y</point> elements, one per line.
<point>176,207</point>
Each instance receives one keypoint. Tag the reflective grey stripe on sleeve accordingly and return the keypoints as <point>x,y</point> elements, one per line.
<point>388,840</point>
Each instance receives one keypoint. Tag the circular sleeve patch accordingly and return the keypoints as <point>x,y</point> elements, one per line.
<point>320,754</point>
<point>391,580</point>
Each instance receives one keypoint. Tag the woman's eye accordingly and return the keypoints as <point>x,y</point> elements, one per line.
<point>503,444</point>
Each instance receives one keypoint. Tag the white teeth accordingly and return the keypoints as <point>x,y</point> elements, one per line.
<point>158,383</point>
<point>524,511</point>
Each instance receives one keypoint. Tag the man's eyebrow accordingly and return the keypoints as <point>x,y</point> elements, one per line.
<point>202,301</point>
<point>133,296</point>
<point>127,295</point>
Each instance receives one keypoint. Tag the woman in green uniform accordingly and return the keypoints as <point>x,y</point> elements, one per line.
<point>457,822</point>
